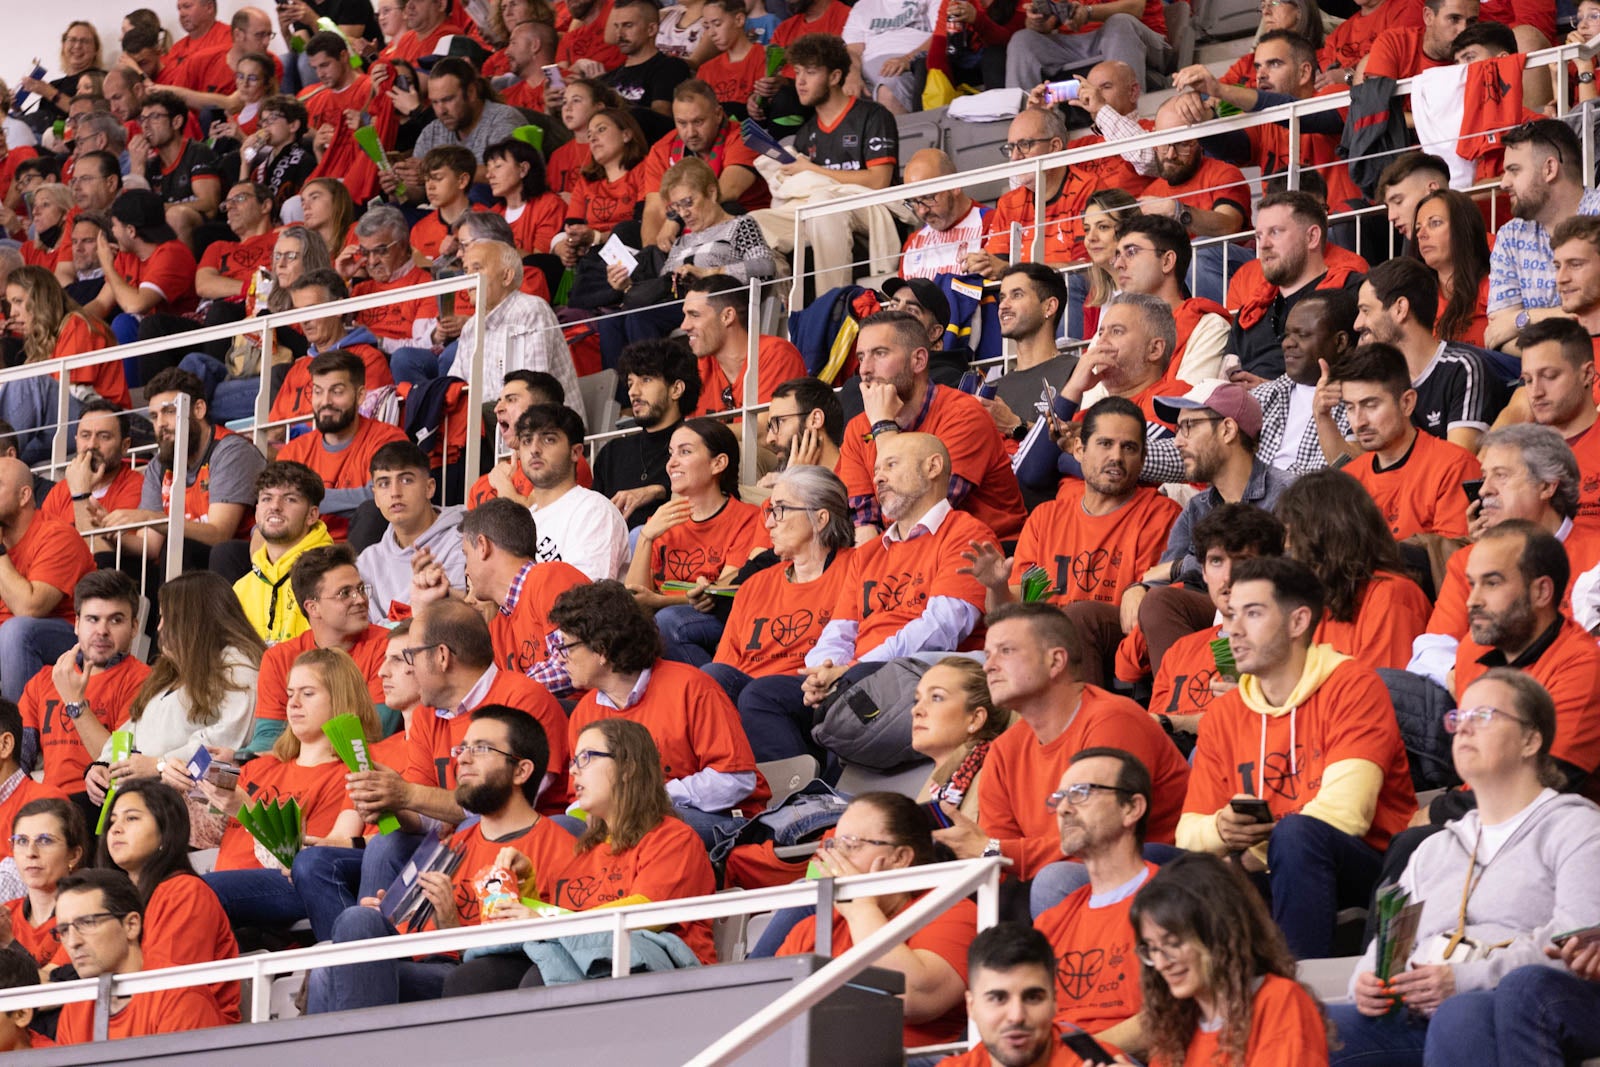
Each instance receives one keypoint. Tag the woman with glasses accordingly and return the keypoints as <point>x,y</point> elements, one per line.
<point>48,842</point>
<point>1298,16</point>
<point>886,832</point>
<point>254,81</point>
<point>1449,236</point>
<point>1088,291</point>
<point>1495,886</point>
<point>80,55</point>
<point>633,850</point>
<point>1218,982</point>
<point>147,836</point>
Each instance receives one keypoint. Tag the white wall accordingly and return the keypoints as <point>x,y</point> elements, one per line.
<point>32,28</point>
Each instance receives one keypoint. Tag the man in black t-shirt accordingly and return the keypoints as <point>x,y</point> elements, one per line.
<point>648,77</point>
<point>182,172</point>
<point>663,382</point>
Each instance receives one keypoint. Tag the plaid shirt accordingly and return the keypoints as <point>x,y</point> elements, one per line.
<point>550,672</point>
<point>1274,399</point>
<point>864,510</point>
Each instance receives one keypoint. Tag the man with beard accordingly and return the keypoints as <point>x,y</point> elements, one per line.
<point>182,171</point>
<point>1033,297</point>
<point>1035,132</point>
<point>663,384</point>
<point>98,478</point>
<point>647,75</point>
<point>333,333</point>
<point>383,248</point>
<point>530,48</point>
<point>1558,380</point>
<point>925,301</point>
<point>71,706</point>
<point>1311,733</point>
<point>716,312</point>
<point>1011,998</point>
<point>1303,426</point>
<point>577,526</point>
<point>288,518</point>
<point>219,495</point>
<point>463,116</point>
<point>952,224</point>
<point>908,591</point>
<point>1406,51</point>
<point>344,442</point>
<point>522,390</point>
<point>899,398</point>
<point>1291,245</point>
<point>1543,177</point>
<point>498,761</point>
<point>1208,196</point>
<point>1458,392</point>
<point>41,561</point>
<point>706,132</point>
<point>805,424</point>
<point>1095,543</point>
<point>1152,257</point>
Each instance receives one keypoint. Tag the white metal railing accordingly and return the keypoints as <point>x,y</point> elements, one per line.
<point>943,883</point>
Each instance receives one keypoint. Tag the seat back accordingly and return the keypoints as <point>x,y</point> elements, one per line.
<point>599,392</point>
<point>971,145</point>
<point>854,780</point>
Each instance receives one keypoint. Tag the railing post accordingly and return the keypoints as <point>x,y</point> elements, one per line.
<point>177,506</point>
<point>621,948</point>
<point>1294,147</point>
<point>1038,209</point>
<point>261,992</point>
<point>264,392</point>
<point>1587,109</point>
<point>102,1008</point>
<point>797,290</point>
<point>749,461</point>
<point>474,450</point>
<point>58,444</point>
<point>823,942</point>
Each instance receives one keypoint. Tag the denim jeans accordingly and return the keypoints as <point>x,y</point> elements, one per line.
<point>1538,1016</point>
<point>1316,870</point>
<point>688,636</point>
<point>368,985</point>
<point>732,680</point>
<point>258,897</point>
<point>418,365</point>
<point>327,880</point>
<point>26,646</point>
<point>1386,1041</point>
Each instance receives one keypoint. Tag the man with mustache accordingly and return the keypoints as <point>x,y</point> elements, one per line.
<point>344,441</point>
<point>98,478</point>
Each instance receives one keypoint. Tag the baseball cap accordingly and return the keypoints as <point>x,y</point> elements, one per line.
<point>1225,398</point>
<point>458,46</point>
<point>927,293</point>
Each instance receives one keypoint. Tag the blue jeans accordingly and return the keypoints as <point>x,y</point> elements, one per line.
<point>777,931</point>
<point>731,679</point>
<point>418,365</point>
<point>688,636</point>
<point>26,646</point>
<point>327,880</point>
<point>29,407</point>
<point>707,823</point>
<point>1387,1041</point>
<point>258,897</point>
<point>367,985</point>
<point>1057,881</point>
<point>777,719</point>
<point>1536,1017</point>
<point>1316,870</point>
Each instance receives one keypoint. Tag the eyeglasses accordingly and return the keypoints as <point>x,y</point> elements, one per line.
<point>922,203</point>
<point>580,760</point>
<point>410,654</point>
<point>154,116</point>
<point>1457,718</point>
<point>1011,148</point>
<point>1186,427</point>
<point>349,592</point>
<point>1129,251</point>
<point>239,198</point>
<point>285,257</point>
<point>41,841</point>
<point>1147,953</point>
<point>848,843</point>
<point>375,253</point>
<point>478,749</point>
<point>680,206</point>
<point>779,512</point>
<point>567,646</point>
<point>1531,133</point>
<point>1078,793</point>
<point>1268,5</point>
<point>84,924</point>
<point>241,78</point>
<point>727,397</point>
<point>86,41</point>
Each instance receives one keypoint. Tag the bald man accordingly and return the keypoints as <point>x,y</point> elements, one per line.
<point>952,225</point>
<point>206,79</point>
<point>904,595</point>
<point>1110,94</point>
<point>41,561</point>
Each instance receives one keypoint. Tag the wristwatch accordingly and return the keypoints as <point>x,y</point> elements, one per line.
<point>1020,433</point>
<point>992,848</point>
<point>1185,218</point>
<point>72,709</point>
<point>1586,78</point>
<point>1522,320</point>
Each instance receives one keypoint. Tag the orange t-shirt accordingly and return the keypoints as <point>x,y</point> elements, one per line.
<point>1063,220</point>
<point>1318,151</point>
<point>1286,1029</point>
<point>392,322</point>
<point>519,638</point>
<point>431,738</point>
<point>890,585</point>
<point>1183,684</point>
<point>729,151</point>
<point>326,107</point>
<point>607,202</point>
<point>348,468</point>
<point>1095,557</point>
<point>184,923</point>
<point>79,335</point>
<point>429,232</point>
<point>561,172</point>
<point>521,95</point>
<point>734,83</point>
<point>109,693</point>
<point>1097,973</point>
<point>1397,53</point>
<point>1392,612</point>
<point>548,847</point>
<point>1586,450</point>
<point>294,395</point>
<point>948,937</point>
<point>239,259</point>
<point>694,724</point>
<point>1020,772</point>
<point>778,361</point>
<point>701,548</point>
<point>169,1011</point>
<point>668,863</point>
<point>1112,172</point>
<point>27,790</point>
<point>39,942</point>
<point>775,622</point>
<point>54,553</point>
<point>1422,493</point>
<point>169,271</point>
<point>977,455</point>
<point>1353,39</point>
<point>123,492</point>
<point>1570,670</point>
<point>409,47</point>
<point>318,788</point>
<point>272,682</point>
<point>1348,716</point>
<point>1215,182</point>
<point>978,1056</point>
<point>538,223</point>
<point>1450,607</point>
<point>589,42</point>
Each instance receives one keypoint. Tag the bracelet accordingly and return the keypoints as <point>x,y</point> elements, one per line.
<point>885,426</point>
<point>82,496</point>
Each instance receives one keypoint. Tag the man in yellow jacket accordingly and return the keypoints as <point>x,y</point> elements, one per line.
<point>287,497</point>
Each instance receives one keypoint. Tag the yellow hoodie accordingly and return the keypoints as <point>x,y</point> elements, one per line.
<point>265,595</point>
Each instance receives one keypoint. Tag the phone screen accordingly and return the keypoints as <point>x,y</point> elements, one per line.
<point>1472,489</point>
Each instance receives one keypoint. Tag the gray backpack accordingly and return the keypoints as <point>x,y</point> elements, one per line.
<point>869,724</point>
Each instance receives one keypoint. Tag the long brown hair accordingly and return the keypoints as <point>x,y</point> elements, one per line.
<point>48,307</point>
<point>1335,528</point>
<point>1118,203</point>
<point>344,214</point>
<point>638,790</point>
<point>347,692</point>
<point>634,146</point>
<point>201,622</point>
<point>1469,254</point>
<point>1200,898</point>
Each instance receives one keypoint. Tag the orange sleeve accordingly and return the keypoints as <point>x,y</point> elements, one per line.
<point>780,361</point>
<point>1211,780</point>
<point>1388,56</point>
<point>1005,783</point>
<point>1450,609</point>
<point>272,686</point>
<point>1575,688</point>
<point>970,435</point>
<point>171,271</point>
<point>1385,627</point>
<point>424,768</point>
<point>997,228</point>
<point>802,938</point>
<point>715,729</point>
<point>550,211</point>
<point>655,166</point>
<point>59,560</point>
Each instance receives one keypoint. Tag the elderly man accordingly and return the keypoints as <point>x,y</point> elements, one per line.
<point>383,247</point>
<point>952,224</point>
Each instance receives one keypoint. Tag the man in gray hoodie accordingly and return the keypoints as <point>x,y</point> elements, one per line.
<point>421,539</point>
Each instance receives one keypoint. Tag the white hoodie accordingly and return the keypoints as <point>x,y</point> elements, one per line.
<point>386,567</point>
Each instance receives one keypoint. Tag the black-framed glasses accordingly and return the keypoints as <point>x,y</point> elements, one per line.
<point>83,925</point>
<point>1079,793</point>
<point>922,203</point>
<point>582,759</point>
<point>410,654</point>
<point>565,648</point>
<point>1011,148</point>
<point>1129,251</point>
<point>154,116</point>
<point>779,512</point>
<point>1185,427</point>
<point>375,253</point>
<point>479,749</point>
<point>727,396</point>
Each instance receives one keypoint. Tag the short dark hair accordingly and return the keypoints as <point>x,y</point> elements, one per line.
<point>325,279</point>
<point>292,110</point>
<point>1577,348</point>
<point>1167,234</point>
<point>541,382</point>
<point>1552,135</point>
<point>465,74</point>
<point>106,164</point>
<point>1413,279</point>
<point>719,441</point>
<point>812,394</point>
<point>540,417</point>
<point>1577,228</point>
<point>1048,283</point>
<point>171,102</point>
<point>1133,778</point>
<point>1495,36</point>
<point>1302,205</point>
<point>339,361</point>
<point>1338,305</point>
<point>1049,624</point>
<point>1294,585</point>
<point>824,50</point>
<point>140,38</point>
<point>326,43</point>
<point>175,380</point>
<point>1239,530</point>
<point>11,723</point>
<point>723,292</point>
<point>287,474</point>
<point>99,406</point>
<point>1302,50</point>
<point>452,157</point>
<point>527,741</point>
<point>305,577</point>
<point>1110,406</point>
<point>458,627</point>
<point>908,329</point>
<point>1542,556</point>
<point>506,524</point>
<point>17,970</point>
<point>604,616</point>
<point>106,583</point>
<point>1009,945</point>
<point>400,456</point>
<point>1414,162</point>
<point>117,892</point>
<point>669,360</point>
<point>47,167</point>
<point>520,151</point>
<point>1379,364</point>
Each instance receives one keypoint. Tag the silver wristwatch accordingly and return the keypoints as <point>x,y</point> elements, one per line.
<point>992,848</point>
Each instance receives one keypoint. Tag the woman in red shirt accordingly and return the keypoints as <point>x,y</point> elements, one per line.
<point>886,832</point>
<point>516,176</point>
<point>53,326</point>
<point>1451,239</point>
<point>584,99</point>
<point>147,835</point>
<point>608,186</point>
<point>52,203</point>
<point>48,841</point>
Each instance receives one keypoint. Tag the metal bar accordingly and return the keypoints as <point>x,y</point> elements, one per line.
<point>102,1008</point>
<point>621,949</point>
<point>1038,210</point>
<point>474,452</point>
<point>1294,153</point>
<point>749,460</point>
<point>797,267</point>
<point>178,500</point>
<point>264,391</point>
<point>822,941</point>
<point>58,441</point>
<point>260,993</point>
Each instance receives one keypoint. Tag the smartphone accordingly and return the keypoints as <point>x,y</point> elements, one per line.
<point>970,381</point>
<point>1472,489</point>
<point>1252,807</point>
<point>1581,934</point>
<point>222,775</point>
<point>402,81</point>
<point>1086,1048</point>
<point>553,78</point>
<point>938,818</point>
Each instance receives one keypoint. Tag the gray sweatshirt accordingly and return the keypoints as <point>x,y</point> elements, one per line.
<point>386,567</point>
<point>1544,880</point>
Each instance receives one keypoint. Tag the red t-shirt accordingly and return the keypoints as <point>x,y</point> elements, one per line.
<point>39,942</point>
<point>538,223</point>
<point>778,361</point>
<point>589,42</point>
<point>734,83</point>
<point>1097,973</point>
<point>80,334</point>
<point>348,468</point>
<point>392,322</point>
<point>239,259</point>
<point>1094,557</point>
<point>668,863</point>
<point>1450,607</point>
<point>319,790</point>
<point>1392,612</point>
<point>548,847</point>
<point>729,151</point>
<point>607,202</point>
<point>326,107</point>
<point>1422,493</point>
<point>521,95</point>
<point>1286,1029</point>
<point>1063,219</point>
<point>123,492</point>
<point>9,163</point>
<point>1215,182</point>
<point>1586,450</point>
<point>701,548</point>
<point>561,172</point>
<point>109,693</point>
<point>272,682</point>
<point>409,47</point>
<point>1183,684</point>
<point>53,553</point>
<point>429,232</point>
<point>519,638</point>
<point>294,395</point>
<point>1397,53</point>
<point>1353,38</point>
<point>775,622</point>
<point>184,923</point>
<point>169,1011</point>
<point>169,271</point>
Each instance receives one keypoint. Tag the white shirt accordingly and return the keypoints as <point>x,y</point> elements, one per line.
<point>584,529</point>
<point>522,334</point>
<point>1299,423</point>
<point>888,27</point>
<point>930,252</point>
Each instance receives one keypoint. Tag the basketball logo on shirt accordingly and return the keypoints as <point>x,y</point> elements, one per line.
<point>787,629</point>
<point>682,564</point>
<point>1077,971</point>
<point>580,890</point>
<point>1087,567</point>
<point>1198,687</point>
<point>894,592</point>
<point>1279,774</point>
